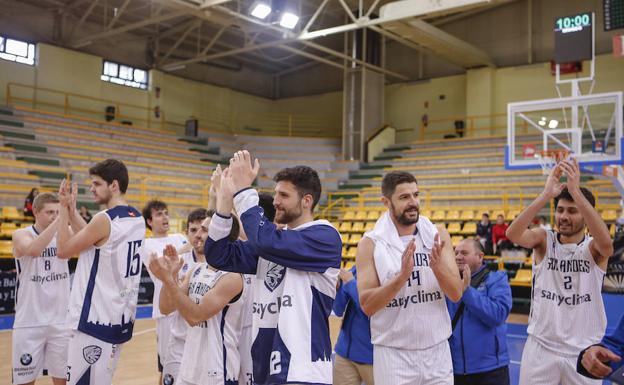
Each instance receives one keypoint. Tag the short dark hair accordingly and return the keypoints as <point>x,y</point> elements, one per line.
<point>111,170</point>
<point>266,202</point>
<point>485,215</point>
<point>155,205</point>
<point>394,178</point>
<point>565,195</point>
<point>305,180</point>
<point>234,231</point>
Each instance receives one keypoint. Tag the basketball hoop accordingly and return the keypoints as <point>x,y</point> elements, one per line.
<point>548,159</point>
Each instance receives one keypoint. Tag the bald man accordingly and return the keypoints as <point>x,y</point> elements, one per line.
<point>479,340</point>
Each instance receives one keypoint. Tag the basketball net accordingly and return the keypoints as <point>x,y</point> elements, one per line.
<point>548,159</point>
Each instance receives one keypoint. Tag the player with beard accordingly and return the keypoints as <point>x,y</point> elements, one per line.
<point>156,215</point>
<point>567,312</point>
<point>406,267</point>
<point>296,270</point>
<point>104,293</point>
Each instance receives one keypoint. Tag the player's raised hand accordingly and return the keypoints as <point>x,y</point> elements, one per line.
<point>73,195</point>
<point>572,171</point>
<point>436,252</point>
<point>225,193</point>
<point>159,267</point>
<point>242,170</point>
<point>215,179</point>
<point>64,193</point>
<point>174,261</point>
<point>553,187</point>
<point>407,261</point>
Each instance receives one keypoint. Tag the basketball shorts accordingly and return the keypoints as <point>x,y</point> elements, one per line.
<point>432,366</point>
<point>163,336</point>
<point>90,360</point>
<point>541,366</point>
<point>36,348</point>
<point>245,377</point>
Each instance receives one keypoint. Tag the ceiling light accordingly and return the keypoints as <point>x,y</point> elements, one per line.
<point>261,10</point>
<point>289,20</point>
<point>553,123</point>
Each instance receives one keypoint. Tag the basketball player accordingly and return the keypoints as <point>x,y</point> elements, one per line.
<point>103,299</point>
<point>40,336</point>
<point>209,300</point>
<point>177,325</point>
<point>156,216</point>
<point>406,267</point>
<point>567,312</point>
<point>296,270</point>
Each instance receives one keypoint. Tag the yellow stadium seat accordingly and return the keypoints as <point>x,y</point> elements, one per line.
<point>454,228</point>
<point>470,228</point>
<point>344,251</point>
<point>426,213</point>
<point>467,215</point>
<point>512,214</point>
<point>609,215</point>
<point>349,215</point>
<point>373,215</point>
<point>357,227</point>
<point>355,238</point>
<point>6,248</point>
<point>523,278</point>
<point>369,226</point>
<point>345,226</point>
<point>361,215</point>
<point>348,264</point>
<point>10,212</point>
<point>456,239</point>
<point>452,215</point>
<point>351,252</point>
<point>438,215</point>
<point>344,237</point>
<point>496,213</point>
<point>612,229</point>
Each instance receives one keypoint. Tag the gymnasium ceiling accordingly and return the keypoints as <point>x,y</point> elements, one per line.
<point>217,41</point>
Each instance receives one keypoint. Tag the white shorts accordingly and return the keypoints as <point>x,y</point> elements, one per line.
<point>541,366</point>
<point>245,377</point>
<point>163,335</point>
<point>90,360</point>
<point>36,348</point>
<point>432,366</point>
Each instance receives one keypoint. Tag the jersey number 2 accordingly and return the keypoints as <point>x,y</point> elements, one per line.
<point>275,365</point>
<point>134,261</point>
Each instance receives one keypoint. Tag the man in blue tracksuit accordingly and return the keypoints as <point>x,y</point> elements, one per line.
<point>353,363</point>
<point>479,339</point>
<point>599,361</point>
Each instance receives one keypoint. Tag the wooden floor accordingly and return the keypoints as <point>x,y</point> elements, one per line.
<point>137,365</point>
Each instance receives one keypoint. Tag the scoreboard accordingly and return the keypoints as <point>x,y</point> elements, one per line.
<point>574,38</point>
<point>613,14</point>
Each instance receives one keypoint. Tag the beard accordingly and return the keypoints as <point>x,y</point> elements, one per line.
<point>570,230</point>
<point>283,216</point>
<point>402,218</point>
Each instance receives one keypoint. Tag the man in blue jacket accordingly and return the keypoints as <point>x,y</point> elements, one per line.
<point>353,363</point>
<point>479,339</point>
<point>599,361</point>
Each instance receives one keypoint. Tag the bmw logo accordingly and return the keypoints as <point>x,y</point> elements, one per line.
<point>26,359</point>
<point>168,379</point>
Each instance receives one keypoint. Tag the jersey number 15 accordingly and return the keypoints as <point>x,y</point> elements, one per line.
<point>133,266</point>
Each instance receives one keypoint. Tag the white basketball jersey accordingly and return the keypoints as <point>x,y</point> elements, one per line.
<point>42,281</point>
<point>211,348</point>
<point>106,283</point>
<point>417,317</point>
<point>567,312</point>
<point>157,245</point>
<point>248,306</point>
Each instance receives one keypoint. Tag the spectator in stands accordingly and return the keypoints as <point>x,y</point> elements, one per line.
<point>28,202</point>
<point>484,233</point>
<point>85,214</point>
<point>499,239</point>
<point>353,364</point>
<point>543,224</point>
<point>478,344</point>
<point>599,361</point>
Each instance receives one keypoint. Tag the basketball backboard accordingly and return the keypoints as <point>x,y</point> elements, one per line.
<point>588,128</point>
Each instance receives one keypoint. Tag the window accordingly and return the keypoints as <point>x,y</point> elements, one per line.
<point>124,75</point>
<point>17,51</point>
